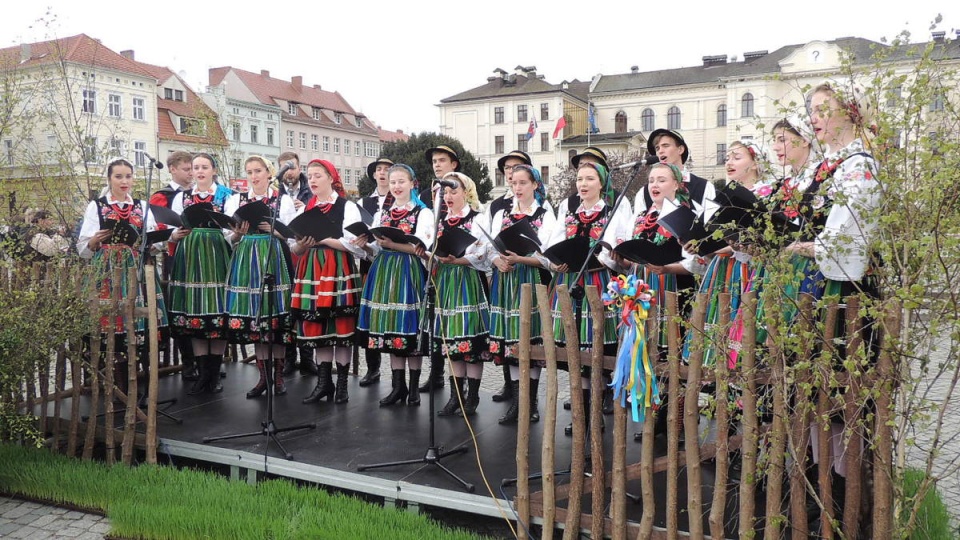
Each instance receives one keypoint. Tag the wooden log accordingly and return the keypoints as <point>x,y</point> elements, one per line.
<point>109,364</point>
<point>153,336</point>
<point>577,459</point>
<point>523,420</point>
<point>775,459</point>
<point>646,449</point>
<point>598,467</point>
<point>692,418</point>
<point>673,412</point>
<point>94,376</point>
<point>800,424</point>
<point>883,432</point>
<point>39,372</point>
<point>748,459</point>
<point>59,384</point>
<point>75,391</point>
<point>547,462</point>
<point>852,429</point>
<point>722,416</point>
<point>827,520</point>
<point>130,321</point>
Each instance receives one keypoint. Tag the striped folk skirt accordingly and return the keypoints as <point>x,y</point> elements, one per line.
<point>246,300</point>
<point>462,314</point>
<point>326,298</point>
<point>803,278</point>
<point>390,304</point>
<point>662,284</point>
<point>197,291</point>
<point>598,278</point>
<point>105,261</point>
<point>505,312</point>
<point>724,274</point>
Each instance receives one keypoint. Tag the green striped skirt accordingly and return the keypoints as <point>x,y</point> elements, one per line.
<point>246,298</point>
<point>598,278</point>
<point>197,285</point>
<point>105,261</point>
<point>505,312</point>
<point>462,314</point>
<point>390,304</point>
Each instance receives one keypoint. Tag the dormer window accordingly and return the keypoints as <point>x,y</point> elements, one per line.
<point>338,118</point>
<point>292,108</point>
<point>359,122</point>
<point>316,113</point>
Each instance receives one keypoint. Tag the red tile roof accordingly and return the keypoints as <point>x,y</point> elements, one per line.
<point>387,136</point>
<point>80,49</point>
<point>192,107</point>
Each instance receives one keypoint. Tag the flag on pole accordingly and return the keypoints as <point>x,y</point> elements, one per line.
<point>592,117</point>
<point>557,131</point>
<point>532,130</point>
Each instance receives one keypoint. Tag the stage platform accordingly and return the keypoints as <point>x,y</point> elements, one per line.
<point>361,433</point>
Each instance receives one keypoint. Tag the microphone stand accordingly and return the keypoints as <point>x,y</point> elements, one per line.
<point>268,284</point>
<point>435,453</point>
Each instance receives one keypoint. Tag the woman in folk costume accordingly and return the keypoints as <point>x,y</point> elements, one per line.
<point>510,272</point>
<point>101,241</point>
<point>585,214</point>
<point>730,271</point>
<point>462,314</point>
<point>198,276</point>
<point>392,293</point>
<point>326,292</point>
<point>256,254</point>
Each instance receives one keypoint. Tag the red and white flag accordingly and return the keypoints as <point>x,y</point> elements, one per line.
<point>557,131</point>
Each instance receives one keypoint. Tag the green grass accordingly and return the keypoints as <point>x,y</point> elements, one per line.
<point>933,519</point>
<point>157,502</point>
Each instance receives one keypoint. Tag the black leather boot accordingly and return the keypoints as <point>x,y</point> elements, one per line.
<point>341,395</point>
<point>203,378</point>
<point>534,400</point>
<point>506,392</point>
<point>398,391</point>
<point>214,362</point>
<point>373,369</point>
<point>510,417</point>
<point>188,372</point>
<point>435,378</point>
<point>453,404</point>
<point>607,405</point>
<point>413,399</point>
<point>324,388</point>
<point>307,365</point>
<point>279,387</point>
<point>261,386</point>
<point>290,360</point>
<point>473,398</point>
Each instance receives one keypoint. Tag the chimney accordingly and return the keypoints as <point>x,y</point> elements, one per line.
<point>264,73</point>
<point>715,60</point>
<point>317,87</point>
<point>25,52</point>
<point>297,82</point>
<point>400,131</point>
<point>939,35</point>
<point>128,54</point>
<point>634,69</point>
<point>753,55</point>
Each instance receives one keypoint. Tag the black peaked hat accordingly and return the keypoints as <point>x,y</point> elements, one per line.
<point>591,151</point>
<point>675,135</point>
<point>446,150</point>
<point>518,154</point>
<point>372,168</point>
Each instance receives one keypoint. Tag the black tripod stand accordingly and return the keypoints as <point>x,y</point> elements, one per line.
<point>434,452</point>
<point>268,429</point>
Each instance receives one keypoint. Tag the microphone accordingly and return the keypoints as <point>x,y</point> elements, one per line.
<point>286,167</point>
<point>447,183</point>
<point>649,160</point>
<point>155,163</point>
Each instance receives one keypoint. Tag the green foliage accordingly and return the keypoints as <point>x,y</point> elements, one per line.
<point>933,519</point>
<point>155,502</point>
<point>411,152</point>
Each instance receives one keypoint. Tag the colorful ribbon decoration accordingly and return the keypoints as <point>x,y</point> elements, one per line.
<point>634,371</point>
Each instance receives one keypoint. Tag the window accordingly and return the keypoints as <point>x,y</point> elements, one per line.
<point>359,122</point>
<point>498,144</point>
<point>722,115</point>
<point>116,147</point>
<point>269,116</point>
<point>326,143</point>
<point>168,93</point>
<point>178,95</point>
<point>235,128</point>
<point>269,136</point>
<point>894,95</point>
<point>347,176</point>
<point>544,173</point>
<point>522,142</point>
<point>746,106</point>
<point>936,104</point>
<point>521,113</point>
<point>292,108</point>
<point>346,147</point>
<point>90,101</point>
<point>647,120</point>
<point>544,142</point>
<point>498,115</point>
<point>316,113</point>
<point>114,102</point>
<point>356,148</point>
<point>314,142</point>
<point>336,145</point>
<point>620,122</point>
<point>370,149</point>
<point>254,135</point>
<point>236,110</point>
<point>500,178</point>
<point>338,118</point>
<point>238,166</point>
<point>8,146</point>
<point>290,138</point>
<point>544,111</point>
<point>90,149</point>
<point>138,109</point>
<point>673,117</point>
<point>253,114</point>
<point>139,151</point>
<point>191,126</point>
<point>721,153</point>
<point>303,141</point>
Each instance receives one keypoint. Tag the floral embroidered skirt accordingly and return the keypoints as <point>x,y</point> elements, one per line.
<point>505,312</point>
<point>197,291</point>
<point>326,298</point>
<point>390,304</point>
<point>120,256</point>
<point>462,314</point>
<point>246,299</point>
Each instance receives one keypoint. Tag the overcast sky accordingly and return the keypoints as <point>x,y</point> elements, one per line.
<point>394,61</point>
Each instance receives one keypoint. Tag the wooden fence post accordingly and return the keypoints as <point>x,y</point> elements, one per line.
<point>722,419</point>
<point>152,339</point>
<point>547,464</point>
<point>598,478</point>
<point>691,419</point>
<point>577,465</point>
<point>883,454</point>
<point>523,419</point>
<point>751,430</point>
<point>673,413</point>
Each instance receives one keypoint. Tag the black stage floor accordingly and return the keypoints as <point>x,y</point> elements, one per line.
<point>361,432</point>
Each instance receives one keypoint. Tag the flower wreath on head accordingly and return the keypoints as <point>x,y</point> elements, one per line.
<point>634,371</point>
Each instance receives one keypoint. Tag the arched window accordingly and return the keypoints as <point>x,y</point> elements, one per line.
<point>746,106</point>
<point>570,154</point>
<point>648,120</point>
<point>673,118</point>
<point>620,123</point>
<point>722,115</point>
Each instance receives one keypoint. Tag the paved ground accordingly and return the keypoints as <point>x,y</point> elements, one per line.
<point>29,520</point>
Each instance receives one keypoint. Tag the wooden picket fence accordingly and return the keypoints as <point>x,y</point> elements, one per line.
<point>74,370</point>
<point>797,404</point>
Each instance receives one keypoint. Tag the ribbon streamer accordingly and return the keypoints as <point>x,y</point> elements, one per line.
<point>634,372</point>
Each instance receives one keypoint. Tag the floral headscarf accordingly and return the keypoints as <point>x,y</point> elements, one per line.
<point>469,189</point>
